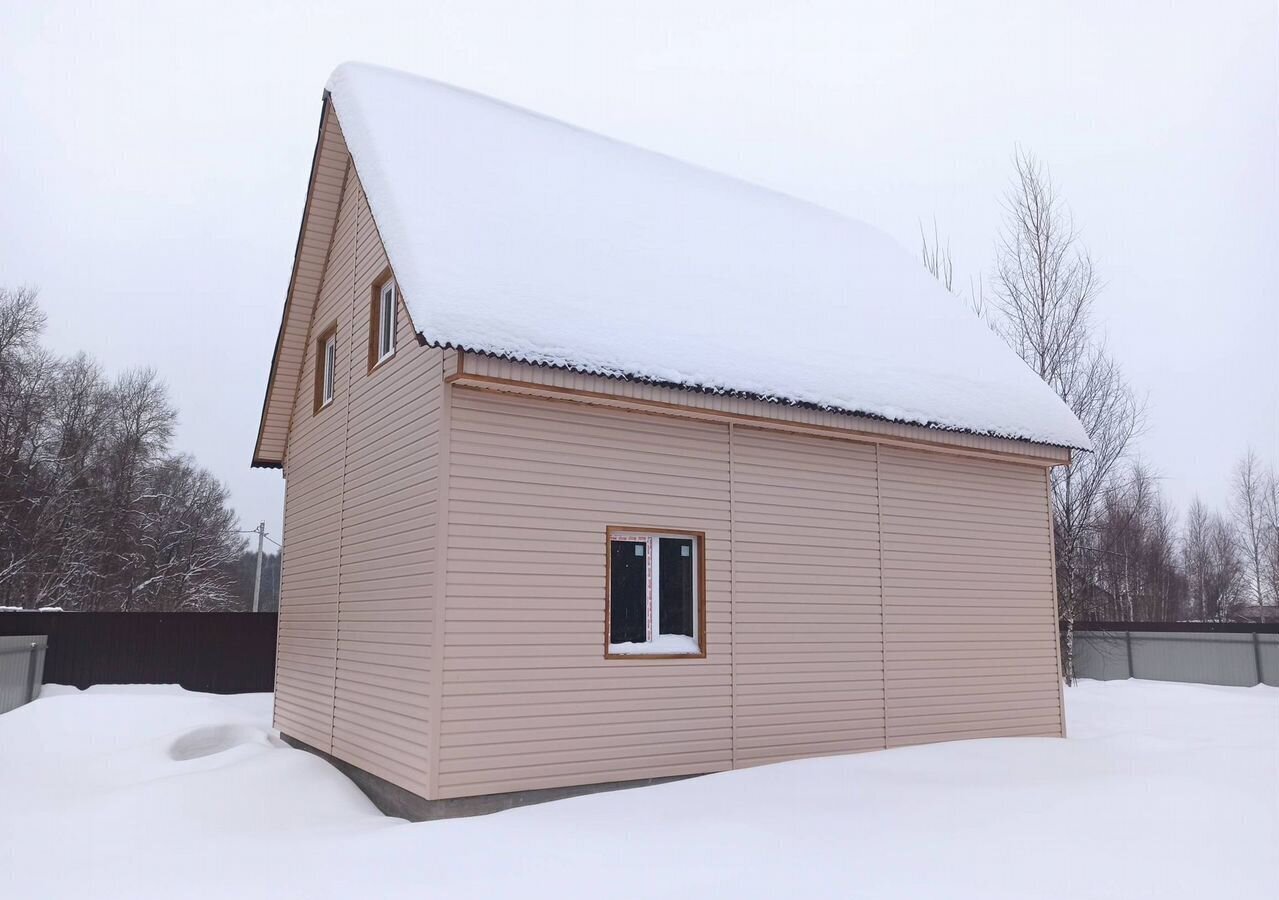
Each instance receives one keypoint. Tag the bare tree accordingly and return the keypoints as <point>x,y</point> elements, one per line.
<point>936,258</point>
<point>1270,531</point>
<point>1044,288</point>
<point>95,512</point>
<point>939,263</point>
<point>1248,491</point>
<point>1133,570</point>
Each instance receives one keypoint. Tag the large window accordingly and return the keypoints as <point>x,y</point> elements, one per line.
<point>326,360</point>
<point>655,583</point>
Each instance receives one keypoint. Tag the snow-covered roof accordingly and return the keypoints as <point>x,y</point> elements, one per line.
<point>514,234</point>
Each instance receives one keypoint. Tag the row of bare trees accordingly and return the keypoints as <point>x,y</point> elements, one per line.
<point>1147,564</point>
<point>96,512</point>
<point>1120,551</point>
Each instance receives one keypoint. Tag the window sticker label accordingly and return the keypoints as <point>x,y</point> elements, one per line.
<point>639,549</point>
<point>685,550</point>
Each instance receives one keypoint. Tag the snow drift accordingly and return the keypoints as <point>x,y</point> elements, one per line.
<point>98,804</point>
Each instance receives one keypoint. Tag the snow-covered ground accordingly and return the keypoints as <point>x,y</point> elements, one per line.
<point>1161,791</point>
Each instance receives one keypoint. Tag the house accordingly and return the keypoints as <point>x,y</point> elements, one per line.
<point>603,468</point>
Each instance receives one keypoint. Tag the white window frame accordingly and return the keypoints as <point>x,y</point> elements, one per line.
<point>388,320</point>
<point>329,383</point>
<point>653,562</point>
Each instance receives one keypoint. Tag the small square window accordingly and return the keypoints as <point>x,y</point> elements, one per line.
<point>654,605</point>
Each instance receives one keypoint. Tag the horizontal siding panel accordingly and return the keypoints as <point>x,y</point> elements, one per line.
<point>970,630</point>
<point>564,379</point>
<point>571,774</point>
<point>529,698</point>
<point>807,624</point>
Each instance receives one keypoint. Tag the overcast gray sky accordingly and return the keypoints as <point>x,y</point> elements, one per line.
<point>154,157</point>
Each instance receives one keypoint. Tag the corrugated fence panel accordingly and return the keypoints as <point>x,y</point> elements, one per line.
<point>21,668</point>
<point>1203,659</point>
<point>970,631</point>
<point>223,653</point>
<point>807,612</point>
<point>1269,653</point>
<point>1240,658</point>
<point>529,701</point>
<point>1101,655</point>
<point>385,610</point>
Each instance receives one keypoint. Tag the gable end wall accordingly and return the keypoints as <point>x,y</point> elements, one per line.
<point>358,573</point>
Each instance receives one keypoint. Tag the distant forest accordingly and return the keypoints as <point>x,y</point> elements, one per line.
<point>96,510</point>
<point>245,568</point>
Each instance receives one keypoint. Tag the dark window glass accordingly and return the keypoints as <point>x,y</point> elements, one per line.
<point>627,600</point>
<point>387,339</point>
<point>330,362</point>
<point>676,586</point>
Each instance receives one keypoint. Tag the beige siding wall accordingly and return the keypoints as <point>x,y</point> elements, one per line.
<point>528,700</point>
<point>361,495</point>
<point>599,389</point>
<point>858,597</point>
<point>307,644</point>
<point>969,613</point>
<point>806,591</point>
<point>860,593</point>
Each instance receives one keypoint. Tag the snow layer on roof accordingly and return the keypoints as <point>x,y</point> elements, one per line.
<point>514,234</point>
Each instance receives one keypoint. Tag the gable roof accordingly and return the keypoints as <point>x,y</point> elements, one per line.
<point>324,190</point>
<point>517,235</point>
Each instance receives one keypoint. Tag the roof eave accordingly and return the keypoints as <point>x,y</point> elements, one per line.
<point>259,461</point>
<point>749,395</point>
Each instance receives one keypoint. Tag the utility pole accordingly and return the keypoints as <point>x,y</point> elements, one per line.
<point>260,531</point>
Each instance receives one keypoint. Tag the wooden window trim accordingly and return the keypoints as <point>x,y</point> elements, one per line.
<point>320,343</point>
<point>700,540</point>
<point>375,320</point>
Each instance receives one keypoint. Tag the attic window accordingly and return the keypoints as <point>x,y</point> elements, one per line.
<point>326,358</point>
<point>655,586</point>
<point>383,320</point>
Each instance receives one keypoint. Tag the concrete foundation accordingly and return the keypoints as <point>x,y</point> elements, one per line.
<point>394,800</point>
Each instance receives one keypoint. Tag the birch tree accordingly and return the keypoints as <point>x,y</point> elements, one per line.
<point>1270,532</point>
<point>1044,287</point>
<point>1248,497</point>
<point>1214,572</point>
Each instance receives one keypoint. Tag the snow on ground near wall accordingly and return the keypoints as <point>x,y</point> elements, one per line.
<point>514,234</point>
<point>1162,791</point>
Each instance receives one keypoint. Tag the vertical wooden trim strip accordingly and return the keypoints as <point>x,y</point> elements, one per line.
<point>1052,574</point>
<point>608,588</point>
<point>441,584</point>
<point>732,598</point>
<point>883,618</point>
<point>346,443</point>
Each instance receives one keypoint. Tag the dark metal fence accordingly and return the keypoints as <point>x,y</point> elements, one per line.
<point>224,653</point>
<point>1203,653</point>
